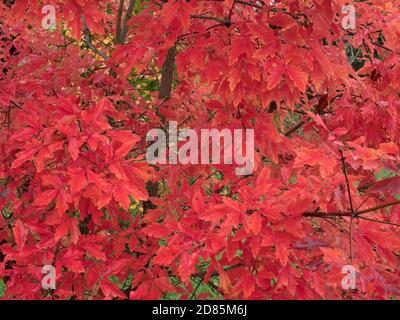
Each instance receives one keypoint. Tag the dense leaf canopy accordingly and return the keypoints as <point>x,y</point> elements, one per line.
<point>76,190</point>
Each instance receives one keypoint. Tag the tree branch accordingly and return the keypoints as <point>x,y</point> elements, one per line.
<point>343,159</point>
<point>379,221</point>
<point>88,40</point>
<point>167,76</point>
<point>319,214</point>
<point>255,5</point>
<point>295,128</point>
<point>225,22</point>
<point>16,104</point>
<point>127,17</point>
<point>318,109</point>
<point>119,19</point>
<point>195,289</point>
<point>378,207</point>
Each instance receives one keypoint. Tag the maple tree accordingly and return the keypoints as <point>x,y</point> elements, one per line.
<point>77,192</point>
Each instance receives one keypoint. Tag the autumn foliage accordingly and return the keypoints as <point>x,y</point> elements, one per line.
<point>76,191</point>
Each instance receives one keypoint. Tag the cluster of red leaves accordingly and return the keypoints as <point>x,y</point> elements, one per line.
<point>72,148</point>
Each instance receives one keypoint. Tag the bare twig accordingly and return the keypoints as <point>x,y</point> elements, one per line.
<point>156,3</point>
<point>318,109</point>
<point>16,104</point>
<point>319,214</point>
<point>362,203</point>
<point>255,5</point>
<point>343,159</point>
<point>337,225</point>
<point>295,128</point>
<point>225,22</point>
<point>195,290</point>
<point>379,221</point>
<point>88,40</point>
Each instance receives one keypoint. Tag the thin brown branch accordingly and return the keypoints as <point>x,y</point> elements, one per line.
<point>318,109</point>
<point>362,203</point>
<point>201,275</point>
<point>8,117</point>
<point>155,3</point>
<point>231,11</point>
<point>379,207</point>
<point>319,214</point>
<point>381,46</point>
<point>343,160</point>
<point>295,128</point>
<point>119,21</point>
<point>88,40</point>
<point>255,5</point>
<point>379,221</point>
<point>337,225</point>
<point>16,104</point>
<point>225,22</point>
<point>128,16</point>
<point>195,289</point>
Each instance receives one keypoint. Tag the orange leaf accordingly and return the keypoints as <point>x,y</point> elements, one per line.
<point>299,77</point>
